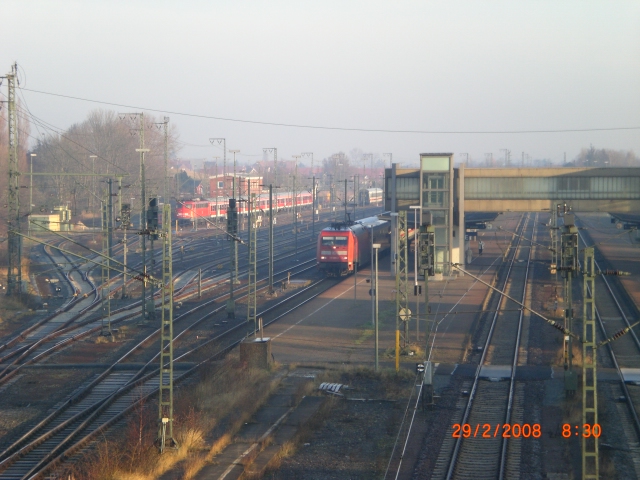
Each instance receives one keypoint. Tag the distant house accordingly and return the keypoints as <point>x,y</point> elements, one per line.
<point>186,164</point>
<point>221,185</point>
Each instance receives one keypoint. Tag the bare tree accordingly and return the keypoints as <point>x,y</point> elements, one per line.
<point>101,144</point>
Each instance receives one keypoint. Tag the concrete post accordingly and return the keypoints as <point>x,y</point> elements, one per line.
<point>461,223</point>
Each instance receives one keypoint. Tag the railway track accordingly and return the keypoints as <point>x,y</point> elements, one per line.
<point>616,311</point>
<point>102,403</point>
<point>494,406</point>
<point>112,380</point>
<point>476,446</point>
<point>53,336</point>
<point>59,330</point>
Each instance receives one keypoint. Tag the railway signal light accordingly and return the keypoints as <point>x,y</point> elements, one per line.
<point>419,367</point>
<point>152,218</point>
<point>232,219</point>
<point>426,250</point>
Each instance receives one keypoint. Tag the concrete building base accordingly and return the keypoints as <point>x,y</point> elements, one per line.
<point>256,353</point>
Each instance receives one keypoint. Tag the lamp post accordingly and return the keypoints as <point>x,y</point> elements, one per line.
<point>314,191</point>
<point>415,209</point>
<point>376,247</point>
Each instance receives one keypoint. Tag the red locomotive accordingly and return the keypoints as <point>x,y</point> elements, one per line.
<point>343,246</point>
<point>190,211</point>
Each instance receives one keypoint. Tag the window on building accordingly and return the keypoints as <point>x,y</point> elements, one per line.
<point>220,184</point>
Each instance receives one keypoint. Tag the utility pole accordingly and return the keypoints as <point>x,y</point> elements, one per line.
<point>390,155</point>
<point>235,244</point>
<point>425,252</point>
<point>295,201</point>
<point>271,222</point>
<point>590,460</point>
<point>217,209</point>
<point>309,154</point>
<point>402,299</point>
<point>165,397</point>
<point>143,217</point>
<point>273,150</point>
<point>376,247</point>
<point>507,156</point>
<point>426,248</point>
<point>569,258</point>
<point>346,216</point>
<point>331,196</point>
<point>356,194</point>
<point>223,142</point>
<point>14,272</point>
<point>125,212</point>
<point>554,240</point>
<point>252,274</point>
<point>143,203</point>
<point>370,156</point>
<point>93,191</point>
<point>232,230</point>
<point>416,288</point>
<point>165,185</point>
<point>314,191</point>
<point>107,251</point>
<point>313,195</point>
<point>31,155</point>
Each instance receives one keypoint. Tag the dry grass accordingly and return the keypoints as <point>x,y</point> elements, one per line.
<point>305,431</point>
<point>103,339</point>
<point>211,411</point>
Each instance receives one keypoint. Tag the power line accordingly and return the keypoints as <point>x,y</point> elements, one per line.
<point>319,127</point>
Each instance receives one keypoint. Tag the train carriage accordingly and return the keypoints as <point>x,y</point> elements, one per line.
<point>370,196</point>
<point>343,247</point>
<point>190,211</point>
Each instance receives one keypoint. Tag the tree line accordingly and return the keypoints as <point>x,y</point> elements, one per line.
<point>104,143</point>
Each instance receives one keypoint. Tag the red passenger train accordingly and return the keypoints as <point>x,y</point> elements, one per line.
<point>343,246</point>
<point>189,211</point>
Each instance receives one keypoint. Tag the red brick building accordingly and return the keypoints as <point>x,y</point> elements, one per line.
<point>221,185</point>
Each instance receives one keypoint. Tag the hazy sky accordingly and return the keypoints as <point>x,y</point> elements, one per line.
<point>465,66</point>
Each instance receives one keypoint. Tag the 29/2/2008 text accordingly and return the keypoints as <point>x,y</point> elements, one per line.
<point>506,430</point>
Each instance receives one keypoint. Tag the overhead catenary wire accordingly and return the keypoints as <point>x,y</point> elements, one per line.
<point>26,114</point>
<point>324,127</point>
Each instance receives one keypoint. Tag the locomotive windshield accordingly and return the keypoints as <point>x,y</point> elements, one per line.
<point>329,241</point>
